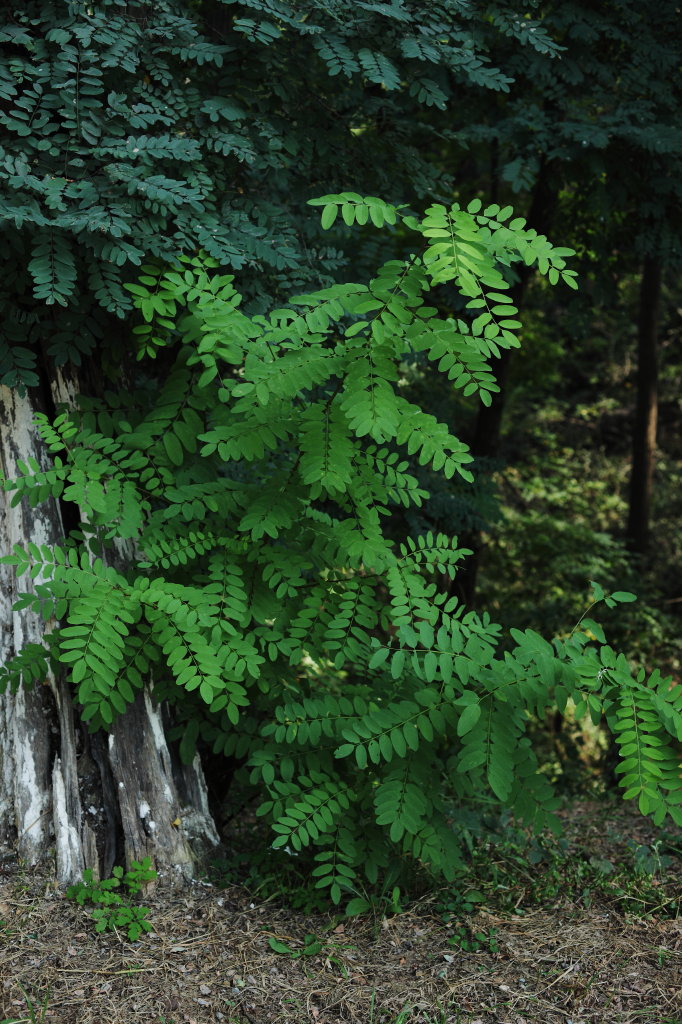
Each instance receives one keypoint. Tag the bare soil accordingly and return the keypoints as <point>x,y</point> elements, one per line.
<point>209,959</point>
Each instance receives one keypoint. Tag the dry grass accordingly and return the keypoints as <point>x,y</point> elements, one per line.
<point>209,960</point>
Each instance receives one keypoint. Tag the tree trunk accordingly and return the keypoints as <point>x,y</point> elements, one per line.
<point>646,410</point>
<point>91,800</point>
<point>485,441</point>
<point>488,428</point>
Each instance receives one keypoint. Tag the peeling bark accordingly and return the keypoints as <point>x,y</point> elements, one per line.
<point>25,736</point>
<point>150,808</point>
<point>646,411</point>
<point>91,801</point>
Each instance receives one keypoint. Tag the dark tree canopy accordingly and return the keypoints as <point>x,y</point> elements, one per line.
<point>136,131</point>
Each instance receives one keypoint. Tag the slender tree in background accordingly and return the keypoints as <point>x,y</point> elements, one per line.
<point>646,408</point>
<point>592,140</point>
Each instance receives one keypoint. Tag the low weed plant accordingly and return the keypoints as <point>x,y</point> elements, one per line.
<point>515,872</point>
<point>113,911</point>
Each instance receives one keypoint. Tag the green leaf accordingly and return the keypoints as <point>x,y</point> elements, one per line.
<point>468,719</point>
<point>329,214</point>
<point>279,947</point>
<point>173,449</point>
<point>357,906</point>
<point>348,214</point>
<point>379,657</point>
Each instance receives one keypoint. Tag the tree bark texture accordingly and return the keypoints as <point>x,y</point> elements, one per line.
<point>90,800</point>
<point>646,408</point>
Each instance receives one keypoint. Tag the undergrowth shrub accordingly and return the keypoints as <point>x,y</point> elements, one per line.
<point>263,594</point>
<point>111,909</point>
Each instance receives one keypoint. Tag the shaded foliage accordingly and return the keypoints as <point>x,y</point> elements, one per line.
<point>276,616</point>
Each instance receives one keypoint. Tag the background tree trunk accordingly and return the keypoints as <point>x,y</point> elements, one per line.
<point>485,441</point>
<point>646,409</point>
<point>92,800</point>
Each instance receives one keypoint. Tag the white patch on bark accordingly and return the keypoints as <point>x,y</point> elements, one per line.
<point>203,792</point>
<point>196,825</point>
<point>24,731</point>
<point>63,388</point>
<point>146,816</point>
<point>31,801</point>
<point>68,848</point>
<point>197,819</point>
<point>159,737</point>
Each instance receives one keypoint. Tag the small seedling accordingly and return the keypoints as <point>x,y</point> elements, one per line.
<point>311,947</point>
<point>463,936</point>
<point>386,902</point>
<point>471,941</point>
<point>112,910</point>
